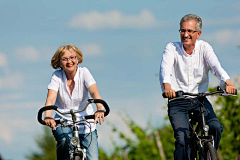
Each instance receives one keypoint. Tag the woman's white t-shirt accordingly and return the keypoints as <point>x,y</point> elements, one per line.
<point>65,101</point>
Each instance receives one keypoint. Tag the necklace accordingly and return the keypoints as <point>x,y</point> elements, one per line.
<point>71,85</point>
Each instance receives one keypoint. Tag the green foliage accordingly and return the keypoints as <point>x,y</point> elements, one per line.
<point>144,146</point>
<point>103,155</point>
<point>47,146</point>
<point>168,141</point>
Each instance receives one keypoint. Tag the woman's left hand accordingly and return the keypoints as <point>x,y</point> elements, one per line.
<point>99,114</point>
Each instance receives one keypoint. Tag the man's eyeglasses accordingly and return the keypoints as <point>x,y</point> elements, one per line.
<point>72,58</point>
<point>189,31</point>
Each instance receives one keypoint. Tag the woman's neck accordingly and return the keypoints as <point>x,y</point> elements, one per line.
<point>70,76</point>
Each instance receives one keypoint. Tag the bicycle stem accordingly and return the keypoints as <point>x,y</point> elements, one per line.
<point>75,129</point>
<point>73,116</point>
<point>76,134</point>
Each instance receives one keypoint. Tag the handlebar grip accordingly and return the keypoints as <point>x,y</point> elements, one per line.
<point>39,117</point>
<point>220,89</point>
<point>90,117</point>
<point>107,109</point>
<point>177,93</point>
<point>164,95</point>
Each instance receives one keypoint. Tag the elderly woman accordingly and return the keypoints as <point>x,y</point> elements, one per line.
<point>68,89</point>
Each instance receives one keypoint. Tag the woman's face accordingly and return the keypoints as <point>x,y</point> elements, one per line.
<point>69,62</point>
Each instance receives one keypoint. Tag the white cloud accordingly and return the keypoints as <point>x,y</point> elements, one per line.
<point>3,60</point>
<point>27,54</point>
<point>6,133</point>
<point>9,106</point>
<point>9,125</point>
<point>17,118</point>
<point>11,81</point>
<point>12,96</point>
<point>228,21</point>
<point>91,49</point>
<point>113,20</point>
<point>224,36</point>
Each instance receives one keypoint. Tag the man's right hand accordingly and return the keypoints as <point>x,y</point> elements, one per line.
<point>168,91</point>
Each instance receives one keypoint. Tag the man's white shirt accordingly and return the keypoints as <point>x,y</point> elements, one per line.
<point>189,73</point>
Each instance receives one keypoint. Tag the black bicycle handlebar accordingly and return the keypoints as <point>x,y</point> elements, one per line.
<point>98,101</point>
<point>45,108</point>
<point>181,93</point>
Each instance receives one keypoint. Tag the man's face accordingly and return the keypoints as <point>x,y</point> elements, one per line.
<point>188,36</point>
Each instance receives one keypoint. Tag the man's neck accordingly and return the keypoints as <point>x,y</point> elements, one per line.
<point>189,49</point>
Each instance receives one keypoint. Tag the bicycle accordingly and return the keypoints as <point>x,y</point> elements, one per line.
<point>75,150</point>
<point>201,146</point>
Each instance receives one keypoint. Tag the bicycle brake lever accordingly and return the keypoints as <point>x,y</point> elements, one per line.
<point>63,122</point>
<point>64,125</point>
<point>176,98</point>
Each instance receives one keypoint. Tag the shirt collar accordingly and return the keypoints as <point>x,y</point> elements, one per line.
<point>194,50</point>
<point>65,77</point>
<point>76,75</point>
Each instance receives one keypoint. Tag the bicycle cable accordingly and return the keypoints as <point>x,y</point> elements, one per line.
<point>69,146</point>
<point>88,134</point>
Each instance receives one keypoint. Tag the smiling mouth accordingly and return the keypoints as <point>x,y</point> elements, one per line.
<point>69,66</point>
<point>186,38</point>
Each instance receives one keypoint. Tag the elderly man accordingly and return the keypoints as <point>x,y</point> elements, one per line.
<point>185,66</point>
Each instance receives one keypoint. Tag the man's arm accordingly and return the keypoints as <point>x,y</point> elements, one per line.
<point>214,64</point>
<point>217,69</point>
<point>166,68</point>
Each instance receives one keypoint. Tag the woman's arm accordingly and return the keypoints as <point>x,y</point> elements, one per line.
<point>51,99</point>
<point>93,90</point>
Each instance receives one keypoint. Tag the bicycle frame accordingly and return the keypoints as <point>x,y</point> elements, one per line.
<point>76,150</point>
<point>202,144</point>
<point>198,143</point>
<point>75,141</point>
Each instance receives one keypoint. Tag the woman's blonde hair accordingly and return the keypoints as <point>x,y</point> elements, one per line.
<point>55,62</point>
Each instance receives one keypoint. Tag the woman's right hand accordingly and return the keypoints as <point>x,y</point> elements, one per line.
<point>50,122</point>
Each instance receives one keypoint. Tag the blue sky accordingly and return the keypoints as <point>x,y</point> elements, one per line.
<point>122,43</point>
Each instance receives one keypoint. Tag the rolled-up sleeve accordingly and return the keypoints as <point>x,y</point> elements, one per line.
<point>166,65</point>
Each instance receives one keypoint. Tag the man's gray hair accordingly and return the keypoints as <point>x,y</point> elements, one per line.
<point>198,20</point>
